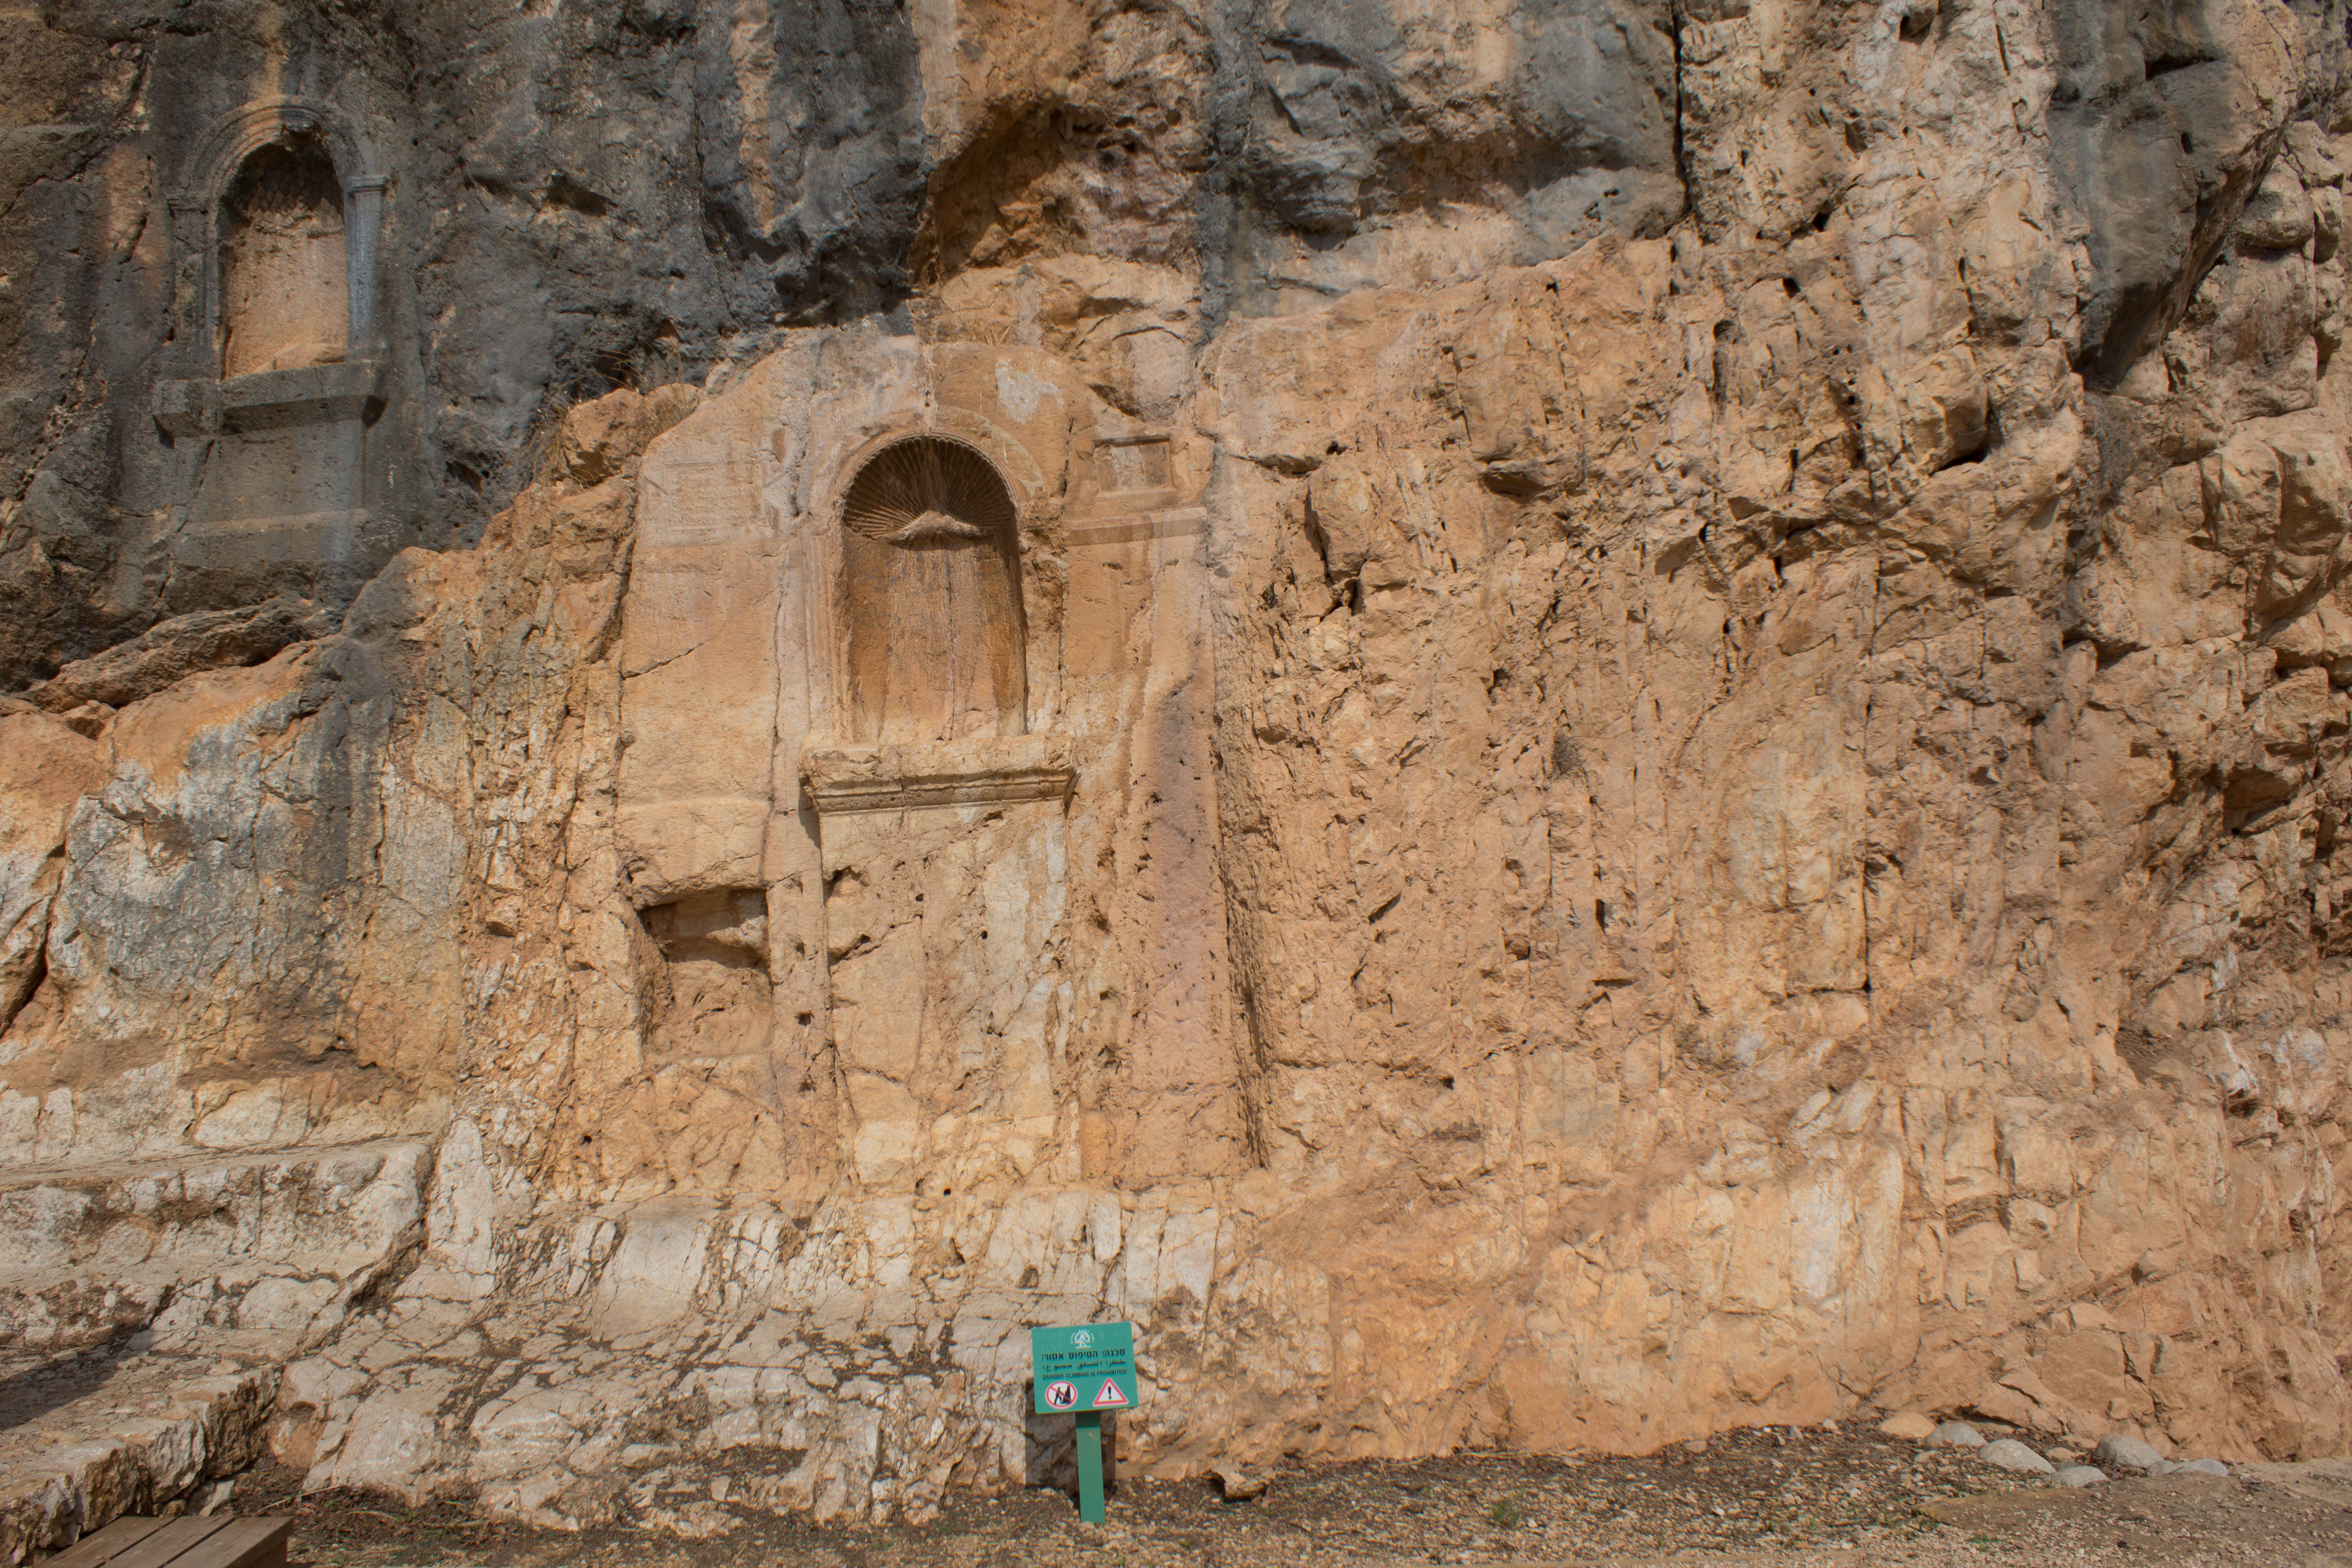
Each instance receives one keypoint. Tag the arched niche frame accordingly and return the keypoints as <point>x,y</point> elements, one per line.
<point>930,602</point>
<point>834,700</point>
<point>213,169</point>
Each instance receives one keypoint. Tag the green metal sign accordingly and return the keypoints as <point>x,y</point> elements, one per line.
<point>1089,1366</point>
<point>1085,1369</point>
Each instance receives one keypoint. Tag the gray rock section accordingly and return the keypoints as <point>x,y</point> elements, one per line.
<point>1956,1435</point>
<point>182,646</point>
<point>2079,1476</point>
<point>2120,1451</point>
<point>2203,1467</point>
<point>1335,135</point>
<point>2149,127</point>
<point>568,198</point>
<point>2009,1453</point>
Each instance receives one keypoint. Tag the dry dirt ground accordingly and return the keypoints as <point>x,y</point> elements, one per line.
<point>1814,1498</point>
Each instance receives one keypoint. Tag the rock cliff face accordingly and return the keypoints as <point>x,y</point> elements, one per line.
<point>1538,726</point>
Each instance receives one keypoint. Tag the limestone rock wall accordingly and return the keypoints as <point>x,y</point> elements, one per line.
<point>1681,762</point>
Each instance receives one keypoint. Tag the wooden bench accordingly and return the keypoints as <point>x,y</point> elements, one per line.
<point>225,1542</point>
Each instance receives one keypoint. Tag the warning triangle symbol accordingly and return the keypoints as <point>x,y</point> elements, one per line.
<point>1110,1394</point>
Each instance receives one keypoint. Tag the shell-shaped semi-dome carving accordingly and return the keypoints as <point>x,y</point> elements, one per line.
<point>930,595</point>
<point>929,490</point>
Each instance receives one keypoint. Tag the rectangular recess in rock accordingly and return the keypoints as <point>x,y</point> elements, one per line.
<point>946,946</point>
<point>1124,463</point>
<point>286,446</point>
<point>1178,522</point>
<point>945,871</point>
<point>710,994</point>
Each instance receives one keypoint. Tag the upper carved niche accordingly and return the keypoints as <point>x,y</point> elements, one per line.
<point>274,223</point>
<point>284,268</point>
<point>930,597</point>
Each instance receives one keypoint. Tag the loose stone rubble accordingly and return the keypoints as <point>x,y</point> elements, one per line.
<point>1763,1497</point>
<point>1630,762</point>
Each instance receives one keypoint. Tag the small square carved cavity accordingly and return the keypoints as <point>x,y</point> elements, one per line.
<point>1132,463</point>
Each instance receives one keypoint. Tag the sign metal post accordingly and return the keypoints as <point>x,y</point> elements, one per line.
<point>1090,1490</point>
<point>1085,1369</point>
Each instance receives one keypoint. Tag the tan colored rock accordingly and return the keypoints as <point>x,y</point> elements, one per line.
<point>44,770</point>
<point>599,439</point>
<point>1907,1426</point>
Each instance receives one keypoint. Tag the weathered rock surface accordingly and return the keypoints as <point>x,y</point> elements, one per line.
<point>2123,1452</point>
<point>45,768</point>
<point>130,1431</point>
<point>1538,731</point>
<point>170,652</point>
<point>1908,1427</point>
<point>626,193</point>
<point>2009,1453</point>
<point>185,1286</point>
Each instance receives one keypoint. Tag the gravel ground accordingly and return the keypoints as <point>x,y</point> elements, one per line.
<point>1805,1499</point>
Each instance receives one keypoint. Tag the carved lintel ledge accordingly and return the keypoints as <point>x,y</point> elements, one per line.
<point>305,394</point>
<point>983,770</point>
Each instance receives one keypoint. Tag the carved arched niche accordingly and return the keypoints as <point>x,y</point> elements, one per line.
<point>284,265</point>
<point>930,612</point>
<point>274,218</point>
